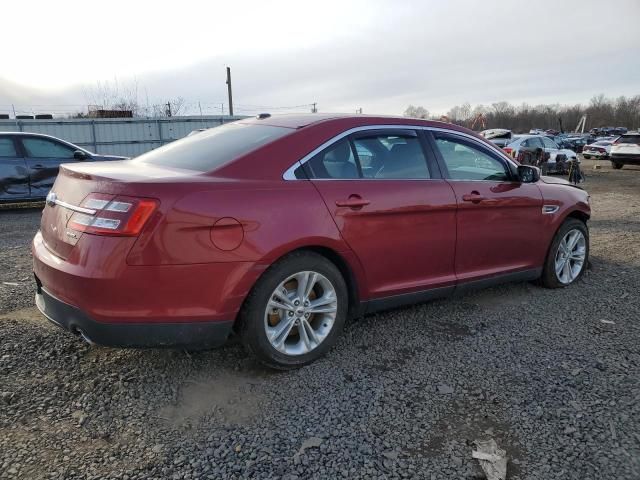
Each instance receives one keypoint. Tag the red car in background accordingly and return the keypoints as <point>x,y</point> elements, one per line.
<point>280,227</point>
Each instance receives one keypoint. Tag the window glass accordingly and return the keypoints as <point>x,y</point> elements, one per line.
<point>44,148</point>
<point>465,162</point>
<point>336,161</point>
<point>629,139</point>
<point>391,157</point>
<point>213,147</point>
<point>535,142</point>
<point>549,144</point>
<point>7,148</point>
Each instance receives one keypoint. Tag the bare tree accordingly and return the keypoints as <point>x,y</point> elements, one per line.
<point>601,112</point>
<point>170,108</point>
<point>416,112</point>
<point>114,96</point>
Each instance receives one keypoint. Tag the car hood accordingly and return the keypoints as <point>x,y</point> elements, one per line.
<point>105,158</point>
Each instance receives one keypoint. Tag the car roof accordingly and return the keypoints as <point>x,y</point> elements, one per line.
<point>304,120</point>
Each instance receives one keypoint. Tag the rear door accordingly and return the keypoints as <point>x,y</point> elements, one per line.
<point>44,156</point>
<point>392,208</point>
<point>14,174</point>
<point>499,219</point>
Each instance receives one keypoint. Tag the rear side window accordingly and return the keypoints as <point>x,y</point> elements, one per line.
<point>629,139</point>
<point>376,156</point>
<point>213,147</point>
<point>7,148</point>
<point>45,148</point>
<point>391,157</point>
<point>336,161</point>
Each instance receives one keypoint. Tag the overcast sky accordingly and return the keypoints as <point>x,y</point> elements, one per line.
<point>377,55</point>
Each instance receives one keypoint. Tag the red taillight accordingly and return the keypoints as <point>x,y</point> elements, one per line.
<point>114,215</point>
<point>508,150</point>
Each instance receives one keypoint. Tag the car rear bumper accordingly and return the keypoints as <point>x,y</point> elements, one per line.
<point>127,334</point>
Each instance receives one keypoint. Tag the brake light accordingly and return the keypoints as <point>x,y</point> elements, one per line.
<point>114,215</point>
<point>508,151</point>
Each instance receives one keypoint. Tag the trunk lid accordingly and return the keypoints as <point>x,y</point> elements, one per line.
<point>75,181</point>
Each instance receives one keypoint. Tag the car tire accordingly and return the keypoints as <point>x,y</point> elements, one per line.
<point>617,165</point>
<point>587,156</point>
<point>550,277</point>
<point>260,320</point>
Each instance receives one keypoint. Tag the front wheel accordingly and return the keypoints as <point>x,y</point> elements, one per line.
<point>587,156</point>
<point>295,312</point>
<point>568,255</point>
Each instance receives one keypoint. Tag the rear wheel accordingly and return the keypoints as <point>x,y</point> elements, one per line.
<point>587,156</point>
<point>568,255</point>
<point>295,312</point>
<point>617,165</point>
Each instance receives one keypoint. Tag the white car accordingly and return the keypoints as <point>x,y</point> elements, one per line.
<point>626,150</point>
<point>599,150</point>
<point>531,144</point>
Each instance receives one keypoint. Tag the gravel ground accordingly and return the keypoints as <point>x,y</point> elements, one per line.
<point>552,376</point>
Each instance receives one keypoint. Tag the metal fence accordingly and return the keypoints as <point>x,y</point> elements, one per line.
<point>117,136</point>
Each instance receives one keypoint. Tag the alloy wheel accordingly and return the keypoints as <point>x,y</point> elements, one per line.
<point>570,257</point>
<point>300,313</point>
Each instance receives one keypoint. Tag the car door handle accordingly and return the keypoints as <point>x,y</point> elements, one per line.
<point>354,201</point>
<point>38,166</point>
<point>474,197</point>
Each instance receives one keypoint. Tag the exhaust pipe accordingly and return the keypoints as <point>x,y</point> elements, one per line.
<point>84,337</point>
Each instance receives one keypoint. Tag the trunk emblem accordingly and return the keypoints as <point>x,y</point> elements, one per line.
<point>51,199</point>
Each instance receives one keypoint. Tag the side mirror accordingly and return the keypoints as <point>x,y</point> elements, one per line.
<point>80,155</point>
<point>528,174</point>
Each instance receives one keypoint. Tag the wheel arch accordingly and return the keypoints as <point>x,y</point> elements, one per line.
<point>343,262</point>
<point>578,214</point>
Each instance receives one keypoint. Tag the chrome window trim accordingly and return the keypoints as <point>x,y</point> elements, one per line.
<point>290,175</point>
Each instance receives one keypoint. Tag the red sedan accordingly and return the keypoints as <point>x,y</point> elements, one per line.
<point>279,228</point>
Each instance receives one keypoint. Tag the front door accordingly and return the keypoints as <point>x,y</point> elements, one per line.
<point>14,174</point>
<point>392,208</point>
<point>499,221</point>
<point>44,156</point>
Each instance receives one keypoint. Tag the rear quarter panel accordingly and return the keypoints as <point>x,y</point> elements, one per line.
<point>277,217</point>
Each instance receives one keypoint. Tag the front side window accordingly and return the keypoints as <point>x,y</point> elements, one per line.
<point>464,161</point>
<point>549,144</point>
<point>391,156</point>
<point>7,148</point>
<point>45,148</point>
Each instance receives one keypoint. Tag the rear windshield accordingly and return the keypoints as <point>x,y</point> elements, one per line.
<point>212,148</point>
<point>629,139</point>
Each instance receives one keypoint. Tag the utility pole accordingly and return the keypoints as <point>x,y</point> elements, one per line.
<point>168,109</point>
<point>229,91</point>
<point>13,107</point>
<point>314,108</point>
